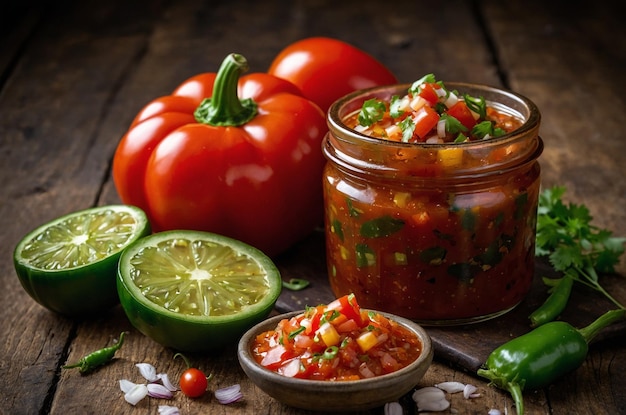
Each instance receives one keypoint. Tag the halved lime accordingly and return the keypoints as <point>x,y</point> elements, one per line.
<point>69,265</point>
<point>196,291</point>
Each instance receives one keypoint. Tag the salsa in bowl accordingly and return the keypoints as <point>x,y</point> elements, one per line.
<point>336,357</point>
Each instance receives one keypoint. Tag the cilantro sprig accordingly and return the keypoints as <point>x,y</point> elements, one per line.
<point>372,111</point>
<point>573,245</point>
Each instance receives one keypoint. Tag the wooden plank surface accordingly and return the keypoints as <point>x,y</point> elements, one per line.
<point>77,72</point>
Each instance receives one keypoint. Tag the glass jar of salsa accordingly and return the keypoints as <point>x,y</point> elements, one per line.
<point>441,233</point>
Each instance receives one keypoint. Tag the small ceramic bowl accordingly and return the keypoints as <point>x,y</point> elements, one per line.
<point>334,396</point>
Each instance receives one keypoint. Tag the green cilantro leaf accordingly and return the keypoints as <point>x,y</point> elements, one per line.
<point>408,127</point>
<point>572,244</point>
<point>476,104</point>
<point>394,107</point>
<point>417,85</point>
<point>372,111</point>
<point>453,125</point>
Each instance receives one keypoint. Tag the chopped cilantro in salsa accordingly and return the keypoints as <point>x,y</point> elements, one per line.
<point>431,113</point>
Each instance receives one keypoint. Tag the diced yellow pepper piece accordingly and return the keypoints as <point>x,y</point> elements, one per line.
<point>345,254</point>
<point>400,258</point>
<point>450,157</point>
<point>366,341</point>
<point>328,334</point>
<point>401,198</point>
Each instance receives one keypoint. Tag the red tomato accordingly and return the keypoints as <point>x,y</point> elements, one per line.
<point>193,383</point>
<point>326,69</point>
<point>191,162</point>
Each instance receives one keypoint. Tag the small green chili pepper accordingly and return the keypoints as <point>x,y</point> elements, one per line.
<point>97,358</point>
<point>554,304</point>
<point>537,358</point>
<point>296,284</point>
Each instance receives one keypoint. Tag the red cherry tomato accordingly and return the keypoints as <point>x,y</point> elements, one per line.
<point>326,69</point>
<point>193,383</point>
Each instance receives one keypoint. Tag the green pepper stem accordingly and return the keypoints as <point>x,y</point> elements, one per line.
<point>601,322</point>
<point>225,108</point>
<point>501,382</point>
<point>516,392</point>
<point>187,362</point>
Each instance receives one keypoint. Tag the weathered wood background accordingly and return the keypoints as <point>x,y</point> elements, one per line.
<point>73,74</point>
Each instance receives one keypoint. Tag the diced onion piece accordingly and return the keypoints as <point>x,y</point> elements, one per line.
<point>347,326</point>
<point>417,102</point>
<point>168,410</point>
<point>229,394</point>
<point>291,368</point>
<point>388,362</point>
<point>441,92</point>
<point>451,100</point>
<point>366,341</point>
<point>394,132</point>
<point>470,391</point>
<point>126,385</point>
<point>328,334</point>
<point>273,356</point>
<point>136,394</point>
<point>451,387</point>
<point>441,128</point>
<point>430,398</point>
<point>166,382</point>
<point>404,103</point>
<point>366,371</point>
<point>393,408</point>
<point>302,341</point>
<point>156,390</point>
<point>147,371</point>
<point>434,140</point>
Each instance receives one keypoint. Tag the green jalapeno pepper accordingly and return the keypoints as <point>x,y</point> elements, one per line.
<point>97,358</point>
<point>555,303</point>
<point>541,356</point>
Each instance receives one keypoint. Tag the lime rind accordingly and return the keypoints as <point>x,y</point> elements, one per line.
<point>81,238</point>
<point>71,287</point>
<point>235,278</point>
<point>204,253</point>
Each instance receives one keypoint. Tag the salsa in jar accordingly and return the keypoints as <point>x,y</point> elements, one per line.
<point>337,342</point>
<point>431,197</point>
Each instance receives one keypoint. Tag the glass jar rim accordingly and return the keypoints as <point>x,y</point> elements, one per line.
<point>349,103</point>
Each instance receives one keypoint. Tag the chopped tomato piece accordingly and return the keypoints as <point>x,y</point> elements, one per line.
<point>348,325</point>
<point>425,120</point>
<point>461,112</point>
<point>348,306</point>
<point>429,93</point>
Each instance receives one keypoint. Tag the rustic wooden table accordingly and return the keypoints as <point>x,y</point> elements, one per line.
<point>73,74</point>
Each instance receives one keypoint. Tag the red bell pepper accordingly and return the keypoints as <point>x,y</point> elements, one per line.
<point>205,159</point>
